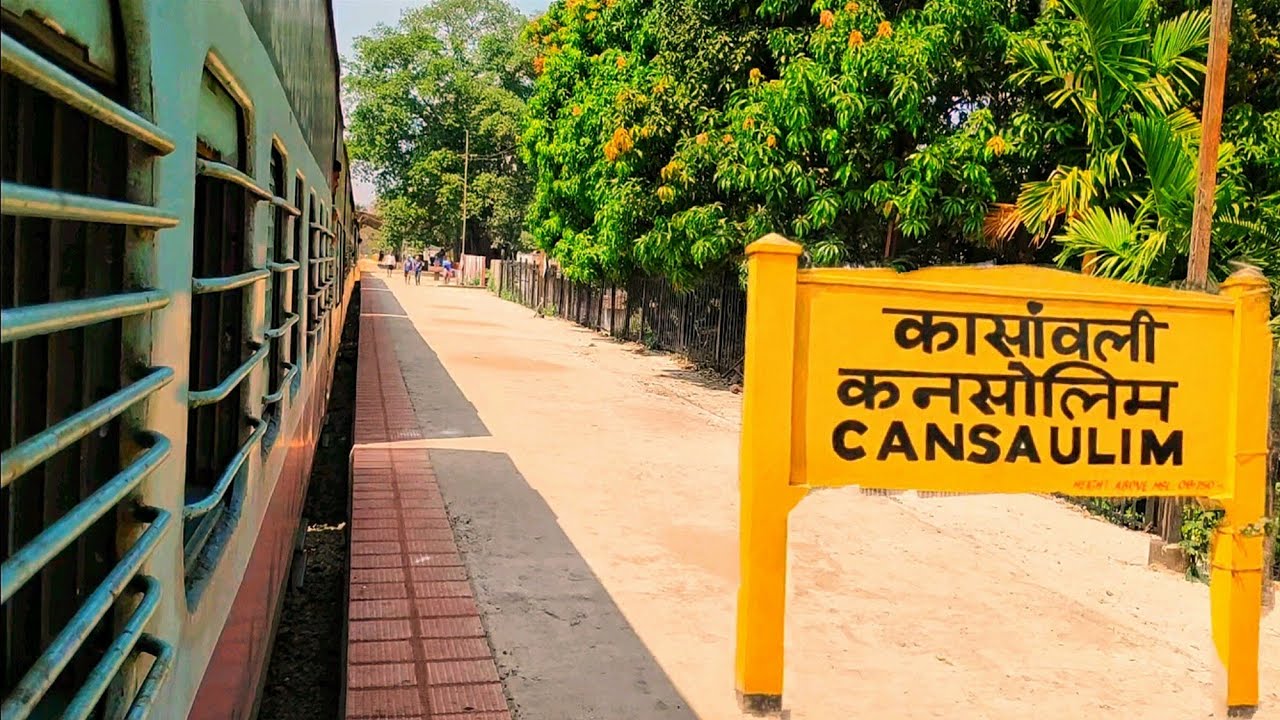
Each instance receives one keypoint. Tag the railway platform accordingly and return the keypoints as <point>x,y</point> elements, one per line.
<point>415,646</point>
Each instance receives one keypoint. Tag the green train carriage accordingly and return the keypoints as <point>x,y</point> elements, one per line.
<point>178,251</point>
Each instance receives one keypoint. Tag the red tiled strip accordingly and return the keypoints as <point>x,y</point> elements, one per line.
<point>415,644</point>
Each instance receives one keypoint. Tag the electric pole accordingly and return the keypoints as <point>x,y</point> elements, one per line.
<point>1210,134</point>
<point>466,163</point>
<point>1168,513</point>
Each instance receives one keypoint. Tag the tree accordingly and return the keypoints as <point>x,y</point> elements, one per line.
<point>1120,82</point>
<point>663,136</point>
<point>620,83</point>
<point>448,68</point>
<point>868,134</point>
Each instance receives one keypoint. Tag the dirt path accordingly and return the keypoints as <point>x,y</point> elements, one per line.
<point>594,491</point>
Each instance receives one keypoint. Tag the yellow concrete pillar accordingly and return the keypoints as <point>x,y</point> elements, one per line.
<point>1237,558</point>
<point>764,471</point>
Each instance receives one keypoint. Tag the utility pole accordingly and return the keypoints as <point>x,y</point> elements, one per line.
<point>466,166</point>
<point>1169,510</point>
<point>1210,134</point>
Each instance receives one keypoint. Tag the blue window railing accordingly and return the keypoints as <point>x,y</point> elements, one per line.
<point>129,639</point>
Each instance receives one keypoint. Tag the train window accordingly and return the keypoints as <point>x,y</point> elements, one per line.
<point>71,454</point>
<point>326,267</point>
<point>319,241</point>
<point>220,434</point>
<point>280,372</point>
<point>313,279</point>
<point>299,289</point>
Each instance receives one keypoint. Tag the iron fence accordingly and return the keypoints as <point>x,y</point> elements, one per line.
<point>706,323</point>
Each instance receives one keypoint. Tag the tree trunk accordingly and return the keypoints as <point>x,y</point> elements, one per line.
<point>891,238</point>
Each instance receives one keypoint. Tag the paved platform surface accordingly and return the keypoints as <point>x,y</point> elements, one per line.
<point>416,647</point>
<point>592,491</point>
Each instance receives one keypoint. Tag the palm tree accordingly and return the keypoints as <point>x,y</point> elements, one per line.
<point>1123,198</point>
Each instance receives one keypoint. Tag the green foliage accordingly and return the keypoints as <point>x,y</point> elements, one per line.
<point>448,67</point>
<point>406,226</point>
<point>1123,188</point>
<point>664,135</point>
<point>1198,525</point>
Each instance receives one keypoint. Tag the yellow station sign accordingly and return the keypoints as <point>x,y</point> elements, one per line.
<point>1004,379</point>
<point>1016,379</point>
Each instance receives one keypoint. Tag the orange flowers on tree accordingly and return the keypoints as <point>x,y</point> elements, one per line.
<point>827,19</point>
<point>855,39</point>
<point>884,29</point>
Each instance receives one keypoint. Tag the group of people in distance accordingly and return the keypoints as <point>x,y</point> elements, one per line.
<point>415,264</point>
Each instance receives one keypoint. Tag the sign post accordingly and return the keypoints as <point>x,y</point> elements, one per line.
<point>765,495</point>
<point>1011,379</point>
<point>1237,574</point>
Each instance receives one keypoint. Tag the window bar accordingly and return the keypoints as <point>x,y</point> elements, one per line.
<point>200,398</point>
<point>29,67</point>
<point>25,322</point>
<point>283,267</point>
<point>146,697</point>
<point>222,171</point>
<point>317,227</point>
<point>17,460</point>
<point>200,507</point>
<point>81,706</point>
<point>22,200</point>
<point>37,553</point>
<point>290,319</point>
<point>284,383</point>
<point>201,286</point>
<point>285,205</point>
<point>194,545</point>
<point>33,686</point>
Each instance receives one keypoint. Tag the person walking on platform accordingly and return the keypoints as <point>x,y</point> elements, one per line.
<point>418,264</point>
<point>408,267</point>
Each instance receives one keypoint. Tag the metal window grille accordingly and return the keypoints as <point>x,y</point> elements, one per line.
<point>321,296</point>
<point>71,465</point>
<point>315,287</point>
<point>281,373</point>
<point>298,289</point>
<point>220,435</point>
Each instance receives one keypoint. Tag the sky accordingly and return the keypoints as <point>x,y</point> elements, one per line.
<point>353,18</point>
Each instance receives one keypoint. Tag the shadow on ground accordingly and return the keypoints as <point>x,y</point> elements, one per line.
<point>564,649</point>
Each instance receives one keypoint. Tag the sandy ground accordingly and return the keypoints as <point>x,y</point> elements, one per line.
<point>594,492</point>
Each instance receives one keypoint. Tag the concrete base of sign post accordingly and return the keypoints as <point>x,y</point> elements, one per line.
<point>759,704</point>
<point>1167,555</point>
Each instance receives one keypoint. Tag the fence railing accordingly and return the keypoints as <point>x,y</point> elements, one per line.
<point>706,323</point>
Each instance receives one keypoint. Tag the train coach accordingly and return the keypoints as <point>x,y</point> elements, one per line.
<point>178,253</point>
